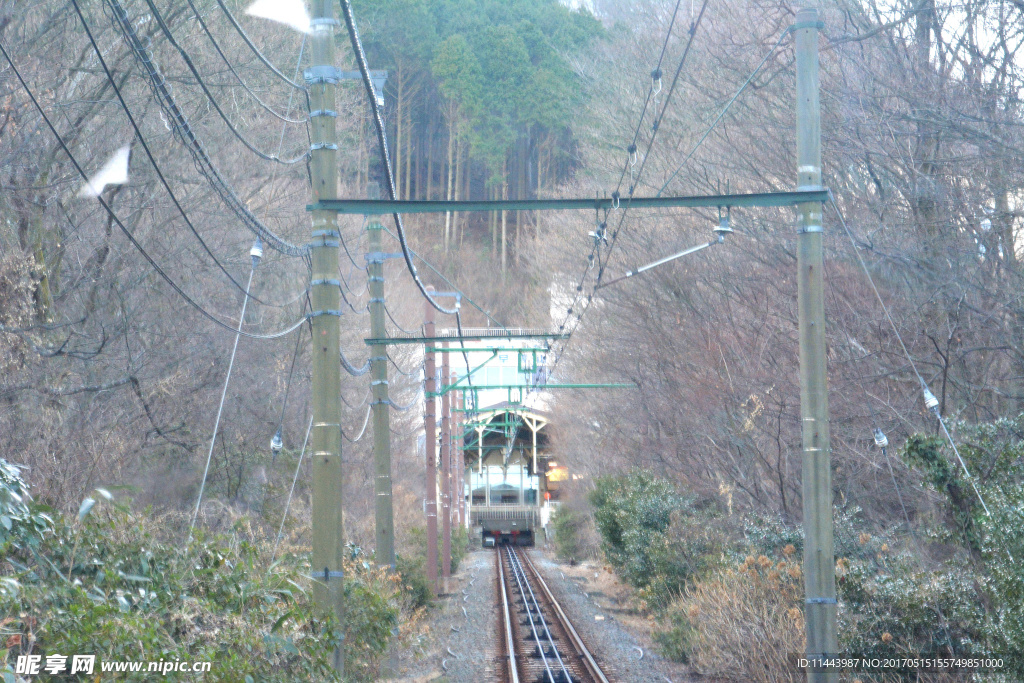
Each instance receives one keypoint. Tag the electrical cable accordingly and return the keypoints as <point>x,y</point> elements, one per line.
<point>362,431</point>
<point>216,105</point>
<point>220,408</point>
<point>399,369</point>
<point>351,369</point>
<point>395,322</point>
<point>725,109</point>
<point>231,68</point>
<point>451,284</point>
<point>378,122</point>
<point>597,242</point>
<point>152,158</point>
<point>74,162</point>
<point>183,131</point>
<point>288,502</point>
<point>913,365</point>
<point>291,371</point>
<point>256,51</point>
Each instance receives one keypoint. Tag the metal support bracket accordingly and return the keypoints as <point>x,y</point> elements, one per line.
<point>379,256</point>
<point>820,601</point>
<point>331,281</point>
<point>323,112</point>
<point>317,314</point>
<point>321,74</point>
<point>322,145</point>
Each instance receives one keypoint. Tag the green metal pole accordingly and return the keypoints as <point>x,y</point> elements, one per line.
<point>430,446</point>
<point>325,295</point>
<point>383,504</point>
<point>819,555</point>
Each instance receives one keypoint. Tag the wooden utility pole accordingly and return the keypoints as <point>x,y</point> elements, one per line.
<point>325,295</point>
<point>446,472</point>
<point>819,555</point>
<point>430,445</point>
<point>381,404</point>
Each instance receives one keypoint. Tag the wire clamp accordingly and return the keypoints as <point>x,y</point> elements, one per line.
<point>327,575</point>
<point>375,278</point>
<point>323,112</point>
<point>321,74</point>
<point>615,199</point>
<point>330,281</point>
<point>317,314</point>
<point>378,382</point>
<point>323,145</point>
<point>377,300</point>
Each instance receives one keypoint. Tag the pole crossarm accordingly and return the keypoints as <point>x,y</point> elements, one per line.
<point>495,334</point>
<point>385,206</point>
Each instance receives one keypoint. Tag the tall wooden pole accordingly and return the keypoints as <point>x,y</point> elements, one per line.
<point>446,472</point>
<point>819,555</point>
<point>381,405</point>
<point>325,295</point>
<point>430,446</point>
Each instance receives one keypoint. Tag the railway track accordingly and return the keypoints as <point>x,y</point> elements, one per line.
<point>539,642</point>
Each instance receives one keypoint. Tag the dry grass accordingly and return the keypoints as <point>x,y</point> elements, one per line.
<point>745,621</point>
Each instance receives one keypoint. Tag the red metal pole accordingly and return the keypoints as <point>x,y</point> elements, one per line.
<point>446,472</point>
<point>430,443</point>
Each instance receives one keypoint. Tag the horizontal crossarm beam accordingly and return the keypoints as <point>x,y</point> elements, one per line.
<point>372,207</point>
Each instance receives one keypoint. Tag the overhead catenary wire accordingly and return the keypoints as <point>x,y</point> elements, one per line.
<point>725,109</point>
<point>596,248</point>
<point>117,220</point>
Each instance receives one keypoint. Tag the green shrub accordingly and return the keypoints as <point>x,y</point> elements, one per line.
<point>568,524</point>
<point>113,585</point>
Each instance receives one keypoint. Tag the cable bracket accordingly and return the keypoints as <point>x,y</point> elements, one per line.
<point>820,601</point>
<point>375,278</point>
<point>317,314</point>
<point>324,21</point>
<point>327,575</point>
<point>379,256</point>
<point>329,281</point>
<point>376,300</point>
<point>378,382</point>
<point>325,243</point>
<point>321,74</point>
<point>323,112</point>
<point>323,145</point>
<point>326,233</point>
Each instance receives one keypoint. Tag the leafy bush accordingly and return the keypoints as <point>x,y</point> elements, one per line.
<point>111,584</point>
<point>656,539</point>
<point>740,623</point>
<point>20,522</point>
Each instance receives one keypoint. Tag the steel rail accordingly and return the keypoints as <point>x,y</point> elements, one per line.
<point>513,674</point>
<point>577,642</point>
<point>523,581</point>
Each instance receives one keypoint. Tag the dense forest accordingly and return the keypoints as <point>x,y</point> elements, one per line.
<point>110,378</point>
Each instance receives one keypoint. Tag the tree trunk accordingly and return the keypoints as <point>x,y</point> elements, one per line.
<point>448,194</point>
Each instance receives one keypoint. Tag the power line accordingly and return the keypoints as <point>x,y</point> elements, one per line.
<point>378,122</point>
<point>451,284</point>
<point>600,236</point>
<point>145,146</point>
<point>216,105</point>
<point>71,157</point>
<point>231,68</point>
<point>256,51</point>
<point>726,109</point>
<point>183,131</point>
<point>929,398</point>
